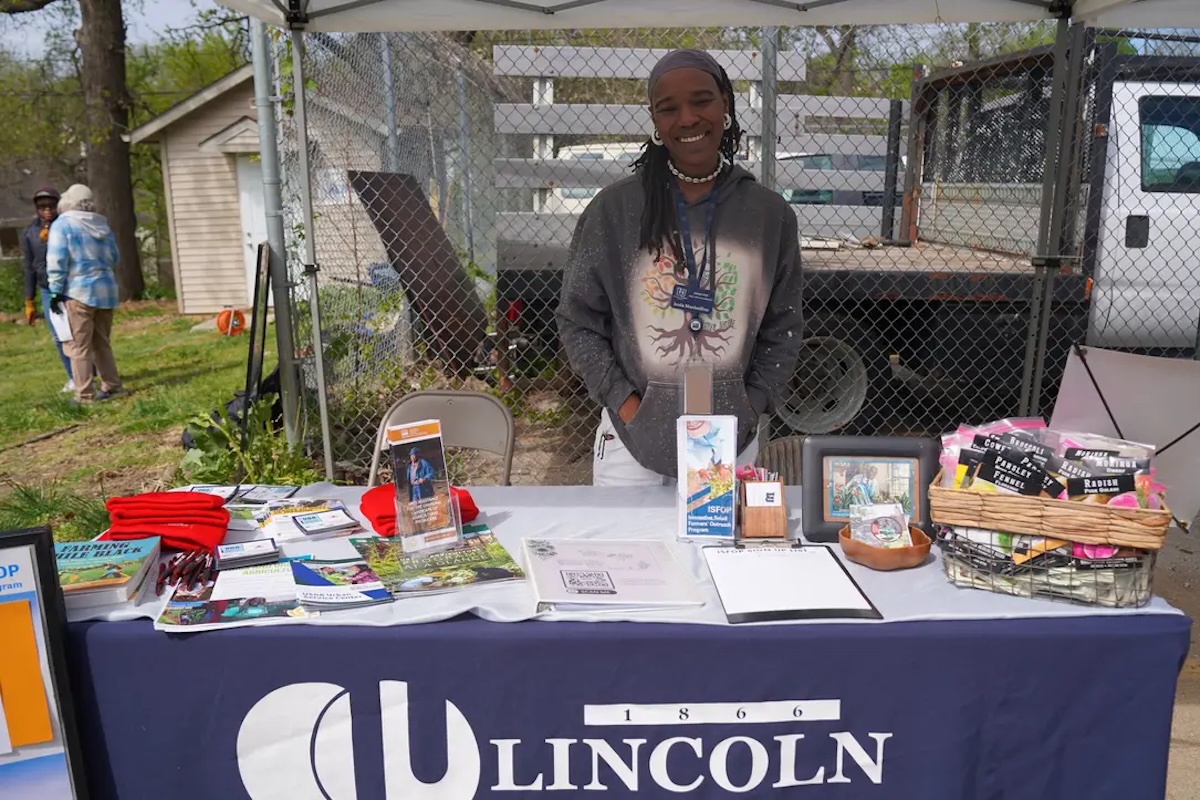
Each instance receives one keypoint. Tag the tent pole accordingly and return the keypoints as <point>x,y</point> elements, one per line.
<point>268,149</point>
<point>310,253</point>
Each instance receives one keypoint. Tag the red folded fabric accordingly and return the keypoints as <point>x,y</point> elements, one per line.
<point>164,501</point>
<point>379,506</point>
<point>184,520</point>
<point>220,517</point>
<point>177,535</point>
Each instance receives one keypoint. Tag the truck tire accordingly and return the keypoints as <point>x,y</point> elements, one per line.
<point>840,379</point>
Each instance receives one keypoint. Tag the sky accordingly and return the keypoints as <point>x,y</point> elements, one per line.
<point>145,20</point>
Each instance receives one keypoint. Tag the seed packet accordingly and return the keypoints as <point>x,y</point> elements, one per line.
<point>880,525</point>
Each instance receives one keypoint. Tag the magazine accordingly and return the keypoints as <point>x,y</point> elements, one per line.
<point>248,596</point>
<point>481,559</point>
<point>425,514</point>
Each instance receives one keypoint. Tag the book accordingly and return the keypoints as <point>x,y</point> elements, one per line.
<point>426,519</point>
<point>707,486</point>
<point>97,573</point>
<point>606,575</point>
<point>480,559</point>
<point>328,585</point>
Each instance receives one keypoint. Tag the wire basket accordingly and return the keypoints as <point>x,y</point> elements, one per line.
<point>1142,528</point>
<point>1072,572</point>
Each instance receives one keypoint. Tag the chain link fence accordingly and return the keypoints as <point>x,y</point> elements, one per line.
<point>448,171</point>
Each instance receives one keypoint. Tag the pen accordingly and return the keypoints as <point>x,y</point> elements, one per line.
<point>162,575</point>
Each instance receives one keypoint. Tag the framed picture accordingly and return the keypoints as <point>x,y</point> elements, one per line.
<point>843,471</point>
<point>40,753</point>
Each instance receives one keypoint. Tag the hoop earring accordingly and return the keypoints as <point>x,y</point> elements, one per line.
<point>728,122</point>
<point>656,137</point>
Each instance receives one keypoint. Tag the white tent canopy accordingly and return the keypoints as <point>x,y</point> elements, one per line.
<point>450,15</point>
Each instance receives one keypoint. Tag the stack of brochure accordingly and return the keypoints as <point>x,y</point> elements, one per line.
<point>307,518</point>
<point>247,554</point>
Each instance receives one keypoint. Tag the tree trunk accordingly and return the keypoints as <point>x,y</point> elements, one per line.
<point>102,44</point>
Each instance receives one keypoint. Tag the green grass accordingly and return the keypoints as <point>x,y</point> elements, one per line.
<point>124,445</point>
<point>12,287</point>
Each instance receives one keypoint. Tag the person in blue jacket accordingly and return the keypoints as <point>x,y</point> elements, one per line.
<point>420,476</point>
<point>33,257</point>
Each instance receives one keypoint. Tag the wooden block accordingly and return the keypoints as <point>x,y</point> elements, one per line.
<point>697,389</point>
<point>763,510</point>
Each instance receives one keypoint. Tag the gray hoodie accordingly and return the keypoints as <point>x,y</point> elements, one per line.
<point>622,336</point>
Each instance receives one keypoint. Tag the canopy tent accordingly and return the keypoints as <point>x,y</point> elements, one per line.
<point>450,15</point>
<point>380,16</point>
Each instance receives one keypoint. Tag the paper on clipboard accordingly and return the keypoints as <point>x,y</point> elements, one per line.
<point>766,583</point>
<point>60,325</point>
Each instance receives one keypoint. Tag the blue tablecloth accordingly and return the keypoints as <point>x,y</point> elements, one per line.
<point>1027,709</point>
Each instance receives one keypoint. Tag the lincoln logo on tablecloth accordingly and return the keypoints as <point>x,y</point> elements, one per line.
<point>296,744</point>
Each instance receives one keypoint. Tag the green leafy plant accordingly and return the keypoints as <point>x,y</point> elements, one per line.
<point>222,455</point>
<point>73,517</point>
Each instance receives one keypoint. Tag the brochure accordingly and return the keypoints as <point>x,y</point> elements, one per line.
<point>481,559</point>
<point>247,554</point>
<point>425,513</point>
<point>606,575</point>
<point>278,519</point>
<point>249,596</point>
<point>262,493</point>
<point>325,521</point>
<point>338,584</point>
<point>707,490</point>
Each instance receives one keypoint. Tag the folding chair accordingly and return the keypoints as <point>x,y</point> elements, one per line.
<point>782,456</point>
<point>470,420</point>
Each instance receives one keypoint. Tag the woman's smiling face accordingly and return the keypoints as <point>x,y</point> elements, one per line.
<point>688,111</point>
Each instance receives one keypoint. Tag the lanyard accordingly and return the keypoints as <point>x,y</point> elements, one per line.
<point>696,274</point>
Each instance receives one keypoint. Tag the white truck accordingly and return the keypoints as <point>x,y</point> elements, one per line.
<point>947,316</point>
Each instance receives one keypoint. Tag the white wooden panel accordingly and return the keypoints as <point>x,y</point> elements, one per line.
<point>834,144</point>
<point>626,62</point>
<point>555,230</point>
<point>615,119</point>
<point>527,173</point>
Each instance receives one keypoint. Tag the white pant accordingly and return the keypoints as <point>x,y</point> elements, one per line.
<point>614,465</point>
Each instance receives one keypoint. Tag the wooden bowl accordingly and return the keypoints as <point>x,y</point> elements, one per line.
<point>886,558</point>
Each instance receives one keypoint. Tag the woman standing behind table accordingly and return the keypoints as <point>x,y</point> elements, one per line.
<point>81,259</point>
<point>688,260</point>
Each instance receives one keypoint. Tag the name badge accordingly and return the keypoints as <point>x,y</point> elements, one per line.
<point>695,300</point>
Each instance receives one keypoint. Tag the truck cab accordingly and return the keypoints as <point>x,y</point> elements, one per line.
<point>1146,291</point>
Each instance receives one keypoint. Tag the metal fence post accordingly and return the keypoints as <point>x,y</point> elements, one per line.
<point>392,156</point>
<point>1043,274</point>
<point>891,170</point>
<point>310,252</point>
<point>268,144</point>
<point>1062,202</point>
<point>770,106</point>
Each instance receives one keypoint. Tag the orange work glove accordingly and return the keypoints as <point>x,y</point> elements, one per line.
<point>30,311</point>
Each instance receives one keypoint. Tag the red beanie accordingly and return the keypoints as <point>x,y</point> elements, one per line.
<point>379,506</point>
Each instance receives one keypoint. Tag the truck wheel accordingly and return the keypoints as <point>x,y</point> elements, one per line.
<point>840,375</point>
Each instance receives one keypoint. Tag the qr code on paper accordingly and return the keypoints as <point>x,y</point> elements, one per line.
<point>587,582</point>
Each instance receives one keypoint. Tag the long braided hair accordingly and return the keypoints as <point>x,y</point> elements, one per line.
<point>658,210</point>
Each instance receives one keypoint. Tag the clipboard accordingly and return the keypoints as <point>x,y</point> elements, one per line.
<point>775,582</point>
